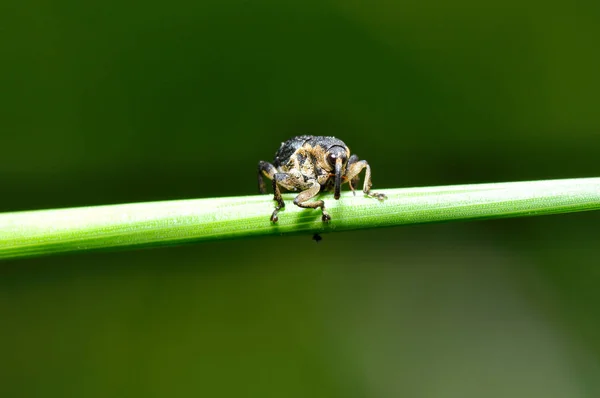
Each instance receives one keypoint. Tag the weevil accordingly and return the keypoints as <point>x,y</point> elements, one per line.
<point>312,164</point>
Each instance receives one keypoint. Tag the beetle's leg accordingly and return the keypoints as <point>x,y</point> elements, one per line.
<point>302,200</point>
<point>356,167</point>
<point>277,194</point>
<point>354,180</point>
<point>290,181</point>
<point>268,170</point>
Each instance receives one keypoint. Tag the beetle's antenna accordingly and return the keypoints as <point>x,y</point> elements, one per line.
<point>338,177</point>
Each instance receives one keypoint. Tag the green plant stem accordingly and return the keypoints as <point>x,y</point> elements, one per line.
<point>41,232</point>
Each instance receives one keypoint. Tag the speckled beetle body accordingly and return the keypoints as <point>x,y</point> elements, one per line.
<point>312,164</point>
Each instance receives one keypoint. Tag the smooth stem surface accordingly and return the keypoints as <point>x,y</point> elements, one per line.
<point>33,233</point>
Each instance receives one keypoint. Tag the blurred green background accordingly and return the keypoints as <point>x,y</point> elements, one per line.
<point>114,102</point>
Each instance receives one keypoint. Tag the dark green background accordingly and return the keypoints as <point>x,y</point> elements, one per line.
<point>113,102</point>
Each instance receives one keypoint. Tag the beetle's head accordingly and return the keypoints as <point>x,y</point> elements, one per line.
<point>337,157</point>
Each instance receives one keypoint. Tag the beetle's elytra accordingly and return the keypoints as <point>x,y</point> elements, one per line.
<point>312,164</point>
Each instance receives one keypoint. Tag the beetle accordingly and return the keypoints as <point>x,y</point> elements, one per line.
<point>312,164</point>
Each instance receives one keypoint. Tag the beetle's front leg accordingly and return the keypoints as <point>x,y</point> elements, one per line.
<point>302,200</point>
<point>352,181</point>
<point>290,181</point>
<point>354,167</point>
<point>277,195</point>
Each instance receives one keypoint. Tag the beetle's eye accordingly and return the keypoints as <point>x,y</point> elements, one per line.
<point>331,159</point>
<point>334,154</point>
